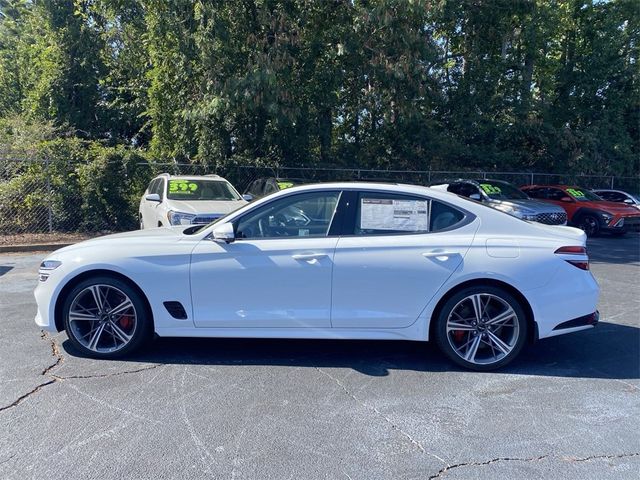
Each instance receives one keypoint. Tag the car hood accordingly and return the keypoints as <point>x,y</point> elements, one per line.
<point>615,208</point>
<point>146,236</point>
<point>205,206</point>
<point>533,206</point>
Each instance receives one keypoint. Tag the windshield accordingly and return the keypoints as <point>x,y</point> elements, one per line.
<point>502,191</point>
<point>185,189</point>
<point>583,195</point>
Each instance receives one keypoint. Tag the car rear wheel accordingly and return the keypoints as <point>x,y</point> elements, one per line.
<point>589,225</point>
<point>481,328</point>
<point>105,317</point>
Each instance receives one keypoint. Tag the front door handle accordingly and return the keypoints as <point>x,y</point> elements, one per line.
<point>309,257</point>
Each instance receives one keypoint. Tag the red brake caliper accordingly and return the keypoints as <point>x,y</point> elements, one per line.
<point>458,335</point>
<point>125,321</point>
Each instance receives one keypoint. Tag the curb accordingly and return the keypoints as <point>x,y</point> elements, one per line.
<point>38,247</point>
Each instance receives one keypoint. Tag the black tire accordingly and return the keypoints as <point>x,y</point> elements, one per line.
<point>138,326</point>
<point>512,336</point>
<point>589,224</point>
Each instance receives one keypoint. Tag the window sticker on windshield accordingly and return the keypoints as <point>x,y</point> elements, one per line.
<point>490,189</point>
<point>283,185</point>
<point>575,193</point>
<point>182,187</point>
<point>388,214</point>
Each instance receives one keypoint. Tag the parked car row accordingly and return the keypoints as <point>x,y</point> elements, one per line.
<point>185,200</point>
<point>614,212</point>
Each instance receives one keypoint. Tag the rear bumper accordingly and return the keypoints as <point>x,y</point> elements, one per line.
<point>568,304</point>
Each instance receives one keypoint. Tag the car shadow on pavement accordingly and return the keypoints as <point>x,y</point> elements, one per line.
<point>611,351</point>
<point>5,269</point>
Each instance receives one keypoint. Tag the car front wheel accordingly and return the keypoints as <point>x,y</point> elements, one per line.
<point>481,328</point>
<point>589,225</point>
<point>104,317</point>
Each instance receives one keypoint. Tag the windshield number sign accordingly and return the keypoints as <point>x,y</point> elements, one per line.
<point>490,189</point>
<point>182,187</point>
<point>575,193</point>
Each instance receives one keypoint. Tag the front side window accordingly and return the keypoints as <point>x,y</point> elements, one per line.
<point>158,187</point>
<point>184,189</point>
<point>612,196</point>
<point>302,215</point>
<point>151,186</point>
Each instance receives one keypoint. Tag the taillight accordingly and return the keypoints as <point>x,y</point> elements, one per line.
<point>582,264</point>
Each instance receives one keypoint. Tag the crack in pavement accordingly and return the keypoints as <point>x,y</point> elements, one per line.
<point>393,425</point>
<point>602,457</point>
<point>55,352</point>
<point>27,395</point>
<point>531,459</point>
<point>104,375</point>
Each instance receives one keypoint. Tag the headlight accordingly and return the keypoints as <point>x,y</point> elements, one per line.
<point>46,267</point>
<point>50,264</point>
<point>180,218</point>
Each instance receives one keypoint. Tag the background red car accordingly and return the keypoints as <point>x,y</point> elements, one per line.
<point>586,210</point>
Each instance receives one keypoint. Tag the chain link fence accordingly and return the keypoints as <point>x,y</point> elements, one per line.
<point>43,197</point>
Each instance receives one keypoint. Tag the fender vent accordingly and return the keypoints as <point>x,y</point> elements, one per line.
<point>176,310</point>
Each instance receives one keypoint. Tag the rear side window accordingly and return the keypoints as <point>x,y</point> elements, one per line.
<point>394,214</point>
<point>463,189</point>
<point>443,216</point>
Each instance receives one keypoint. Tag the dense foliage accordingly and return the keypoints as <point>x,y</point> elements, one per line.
<point>545,85</point>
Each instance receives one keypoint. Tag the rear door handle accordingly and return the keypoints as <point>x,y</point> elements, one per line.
<point>439,255</point>
<point>309,257</point>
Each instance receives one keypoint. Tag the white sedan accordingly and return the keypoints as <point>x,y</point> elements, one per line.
<point>335,261</point>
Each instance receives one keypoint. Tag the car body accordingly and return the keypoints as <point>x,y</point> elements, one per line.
<point>618,196</point>
<point>187,200</point>
<point>587,210</point>
<point>329,261</point>
<point>261,187</point>
<point>508,198</point>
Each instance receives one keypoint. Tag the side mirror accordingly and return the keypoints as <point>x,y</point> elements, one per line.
<point>224,233</point>
<point>248,197</point>
<point>475,196</point>
<point>153,197</point>
<point>566,199</point>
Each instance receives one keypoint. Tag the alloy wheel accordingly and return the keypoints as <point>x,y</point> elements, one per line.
<point>482,329</point>
<point>589,225</point>
<point>102,318</point>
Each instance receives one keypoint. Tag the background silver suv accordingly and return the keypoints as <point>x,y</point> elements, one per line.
<point>508,198</point>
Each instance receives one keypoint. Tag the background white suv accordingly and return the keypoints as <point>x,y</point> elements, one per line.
<point>186,200</point>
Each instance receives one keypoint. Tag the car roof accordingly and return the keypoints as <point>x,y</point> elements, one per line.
<point>562,187</point>
<point>191,177</point>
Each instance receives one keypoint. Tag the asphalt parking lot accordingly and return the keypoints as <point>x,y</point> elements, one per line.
<point>187,408</point>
